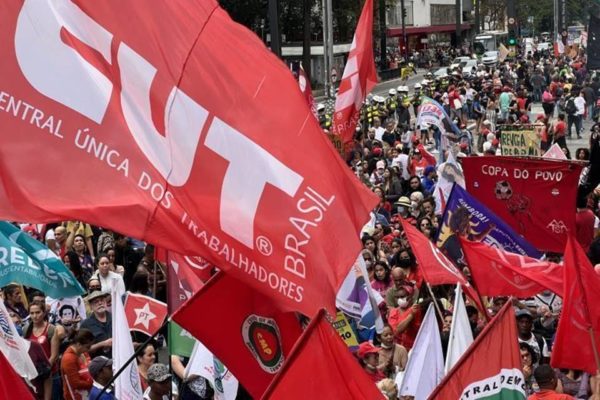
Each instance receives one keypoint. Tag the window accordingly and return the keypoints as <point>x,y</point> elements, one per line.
<point>443,14</point>
<point>394,14</point>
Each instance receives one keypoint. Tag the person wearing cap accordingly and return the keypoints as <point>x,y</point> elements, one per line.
<point>526,335</point>
<point>376,177</point>
<point>100,368</point>
<point>368,356</point>
<point>406,317</point>
<point>99,323</point>
<point>159,381</point>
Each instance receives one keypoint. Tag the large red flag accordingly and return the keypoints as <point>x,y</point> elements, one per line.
<point>11,384</point>
<point>144,314</point>
<point>193,138</point>
<point>246,330</point>
<point>359,77</point>
<point>321,367</point>
<point>491,366</point>
<point>501,273</point>
<point>580,315</point>
<point>437,269</point>
<point>536,197</point>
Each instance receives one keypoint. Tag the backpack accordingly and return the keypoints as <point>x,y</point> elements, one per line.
<point>570,107</point>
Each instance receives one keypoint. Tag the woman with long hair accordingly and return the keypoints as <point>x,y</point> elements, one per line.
<point>86,261</point>
<point>71,260</point>
<point>145,358</point>
<point>77,380</point>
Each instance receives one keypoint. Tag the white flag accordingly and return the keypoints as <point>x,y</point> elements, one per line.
<point>461,335</point>
<point>449,173</point>
<point>13,347</point>
<point>357,299</point>
<point>204,363</point>
<point>127,385</point>
<point>425,367</point>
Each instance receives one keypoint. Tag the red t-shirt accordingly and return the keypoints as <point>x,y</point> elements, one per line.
<point>549,395</point>
<point>406,338</point>
<point>560,129</point>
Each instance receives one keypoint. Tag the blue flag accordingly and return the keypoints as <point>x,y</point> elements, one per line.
<point>467,216</point>
<point>26,261</point>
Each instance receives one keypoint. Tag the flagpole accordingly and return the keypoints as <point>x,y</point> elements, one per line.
<point>133,356</point>
<point>594,348</point>
<point>435,304</point>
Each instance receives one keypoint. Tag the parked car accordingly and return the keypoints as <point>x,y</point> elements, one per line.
<point>469,67</point>
<point>440,73</point>
<point>490,57</point>
<point>456,63</point>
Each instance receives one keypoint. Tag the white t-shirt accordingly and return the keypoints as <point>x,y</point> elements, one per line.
<point>536,347</point>
<point>112,280</point>
<point>402,162</point>
<point>580,104</point>
<point>379,133</point>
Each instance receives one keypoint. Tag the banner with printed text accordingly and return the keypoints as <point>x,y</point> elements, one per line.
<point>536,197</point>
<point>28,262</point>
<point>203,152</point>
<point>520,142</point>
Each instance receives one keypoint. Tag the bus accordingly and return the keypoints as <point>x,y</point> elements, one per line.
<point>489,41</point>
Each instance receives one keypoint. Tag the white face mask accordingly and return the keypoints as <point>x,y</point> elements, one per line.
<point>402,302</point>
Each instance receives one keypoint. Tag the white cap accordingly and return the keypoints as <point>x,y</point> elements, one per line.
<point>392,92</point>
<point>403,89</point>
<point>320,107</point>
<point>379,99</point>
<point>417,86</point>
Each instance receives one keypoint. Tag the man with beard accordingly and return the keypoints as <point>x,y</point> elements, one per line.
<point>99,323</point>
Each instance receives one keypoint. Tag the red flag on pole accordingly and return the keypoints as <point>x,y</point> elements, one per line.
<point>321,354</point>
<point>491,366</point>
<point>182,282</point>
<point>144,314</point>
<point>536,197</point>
<point>578,331</point>
<point>11,384</point>
<point>198,135</point>
<point>501,273</point>
<point>246,330</point>
<point>436,268</point>
<point>306,90</point>
<point>359,77</point>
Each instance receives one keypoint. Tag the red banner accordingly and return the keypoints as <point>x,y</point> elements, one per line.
<point>580,316</point>
<point>500,273</point>
<point>359,77</point>
<point>535,197</point>
<point>304,84</point>
<point>247,331</point>
<point>144,314</point>
<point>192,138</point>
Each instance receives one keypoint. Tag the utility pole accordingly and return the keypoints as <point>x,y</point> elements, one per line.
<point>404,37</point>
<point>274,24</point>
<point>382,33</point>
<point>458,25</point>
<point>477,15</point>
<point>556,33</point>
<point>328,46</point>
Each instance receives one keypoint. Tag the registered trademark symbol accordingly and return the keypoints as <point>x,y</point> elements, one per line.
<point>264,245</point>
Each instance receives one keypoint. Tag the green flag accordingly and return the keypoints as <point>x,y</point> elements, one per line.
<point>28,262</point>
<point>181,342</point>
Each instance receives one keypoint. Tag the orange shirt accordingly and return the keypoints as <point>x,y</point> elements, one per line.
<point>549,395</point>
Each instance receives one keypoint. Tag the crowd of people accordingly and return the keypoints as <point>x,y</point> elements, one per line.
<point>70,339</point>
<point>397,158</point>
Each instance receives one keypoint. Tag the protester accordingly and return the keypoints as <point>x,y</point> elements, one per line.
<point>77,380</point>
<point>549,386</point>
<point>145,359</point>
<point>101,371</point>
<point>99,323</point>
<point>159,383</point>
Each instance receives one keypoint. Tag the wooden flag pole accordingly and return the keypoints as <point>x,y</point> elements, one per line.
<point>435,304</point>
<point>594,348</point>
